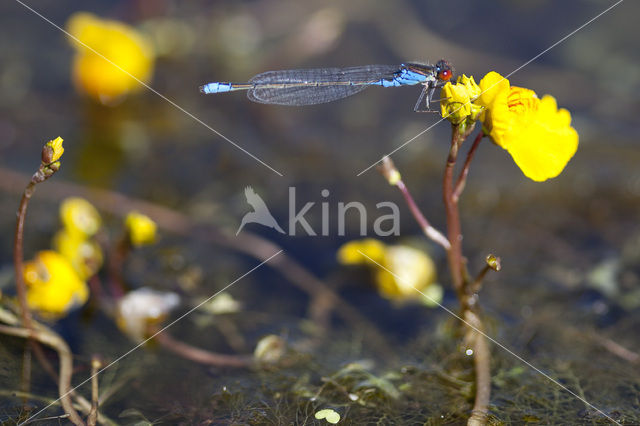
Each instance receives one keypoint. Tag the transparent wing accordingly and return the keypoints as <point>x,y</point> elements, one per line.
<point>315,86</point>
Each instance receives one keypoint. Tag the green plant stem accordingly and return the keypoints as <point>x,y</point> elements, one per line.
<point>482,369</point>
<point>477,283</point>
<point>92,418</point>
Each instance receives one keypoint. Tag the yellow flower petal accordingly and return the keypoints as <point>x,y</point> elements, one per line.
<point>543,148</point>
<point>455,105</point>
<point>84,254</point>
<point>491,86</point>
<point>538,136</point>
<point>356,252</point>
<point>79,216</point>
<point>56,149</point>
<point>53,287</point>
<point>407,272</point>
<point>401,272</point>
<point>141,229</point>
<point>473,90</point>
<point>129,50</point>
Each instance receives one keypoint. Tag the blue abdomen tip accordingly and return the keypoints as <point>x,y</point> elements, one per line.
<point>215,88</point>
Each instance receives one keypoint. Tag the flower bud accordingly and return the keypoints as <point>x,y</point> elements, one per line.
<point>141,229</point>
<point>52,151</point>
<point>493,262</point>
<point>455,105</point>
<point>473,90</point>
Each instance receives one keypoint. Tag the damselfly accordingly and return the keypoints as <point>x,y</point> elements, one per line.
<point>317,86</point>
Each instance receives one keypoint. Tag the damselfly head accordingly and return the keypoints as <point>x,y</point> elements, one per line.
<point>444,70</point>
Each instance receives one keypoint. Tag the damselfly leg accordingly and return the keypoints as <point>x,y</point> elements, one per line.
<point>427,95</point>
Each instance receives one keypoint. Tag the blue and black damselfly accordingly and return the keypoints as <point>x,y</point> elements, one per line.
<point>317,86</point>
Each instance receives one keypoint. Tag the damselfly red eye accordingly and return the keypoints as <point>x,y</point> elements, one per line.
<point>445,75</point>
<point>444,69</point>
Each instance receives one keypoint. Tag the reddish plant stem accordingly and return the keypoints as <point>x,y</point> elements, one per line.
<point>18,255</point>
<point>29,332</point>
<point>454,254</point>
<point>428,230</point>
<point>21,288</point>
<point>117,255</point>
<point>462,179</point>
<point>460,277</point>
<point>200,355</point>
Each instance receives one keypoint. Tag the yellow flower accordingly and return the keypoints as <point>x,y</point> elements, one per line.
<point>349,253</point>
<point>455,105</point>
<point>141,229</point>
<point>53,151</point>
<point>85,255</point>
<point>411,271</point>
<point>129,50</point>
<point>534,131</point>
<point>473,90</point>
<point>53,287</point>
<point>402,273</point>
<point>79,216</point>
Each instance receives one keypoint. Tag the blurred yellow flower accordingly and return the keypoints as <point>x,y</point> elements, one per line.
<point>141,229</point>
<point>79,216</point>
<point>534,131</point>
<point>130,51</point>
<point>53,287</point>
<point>55,150</point>
<point>349,253</point>
<point>402,273</point>
<point>85,255</point>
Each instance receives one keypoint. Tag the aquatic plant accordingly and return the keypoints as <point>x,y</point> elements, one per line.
<point>541,141</point>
